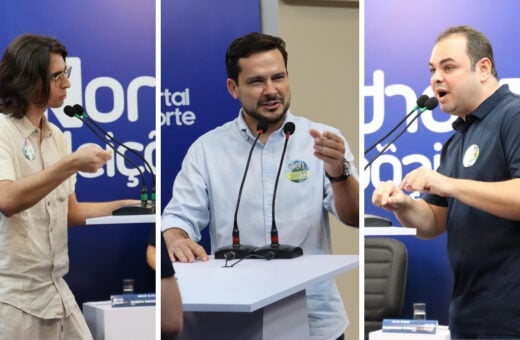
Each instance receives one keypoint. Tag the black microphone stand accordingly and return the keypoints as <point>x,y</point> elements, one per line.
<point>277,250</point>
<point>420,103</point>
<point>430,104</point>
<point>142,208</point>
<point>237,250</point>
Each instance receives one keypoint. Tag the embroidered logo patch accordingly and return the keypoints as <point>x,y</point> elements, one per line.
<point>470,156</point>
<point>28,150</point>
<point>297,171</point>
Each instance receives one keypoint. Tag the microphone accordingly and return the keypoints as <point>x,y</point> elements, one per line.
<point>277,250</point>
<point>145,207</point>
<point>421,101</point>
<point>430,104</point>
<point>82,113</point>
<point>237,250</point>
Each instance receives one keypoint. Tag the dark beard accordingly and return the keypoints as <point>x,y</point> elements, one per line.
<point>256,115</point>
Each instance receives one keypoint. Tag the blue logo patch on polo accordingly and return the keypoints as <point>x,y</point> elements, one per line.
<point>297,171</point>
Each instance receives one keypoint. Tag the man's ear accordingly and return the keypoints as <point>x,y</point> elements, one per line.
<point>485,67</point>
<point>232,88</point>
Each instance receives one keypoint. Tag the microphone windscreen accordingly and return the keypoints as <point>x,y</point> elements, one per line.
<point>431,103</point>
<point>79,109</point>
<point>421,101</point>
<point>289,128</point>
<point>69,111</point>
<point>262,126</point>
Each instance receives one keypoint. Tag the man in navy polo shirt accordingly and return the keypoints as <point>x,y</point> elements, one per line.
<point>475,193</point>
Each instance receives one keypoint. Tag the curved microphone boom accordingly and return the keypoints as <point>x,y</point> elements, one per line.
<point>81,112</point>
<point>277,250</point>
<point>430,104</point>
<point>144,207</point>
<point>420,103</point>
<point>237,250</point>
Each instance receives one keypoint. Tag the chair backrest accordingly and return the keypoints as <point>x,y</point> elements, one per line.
<point>386,266</point>
<point>376,221</point>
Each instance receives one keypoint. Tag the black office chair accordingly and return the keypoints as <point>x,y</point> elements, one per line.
<point>386,265</point>
<point>376,221</point>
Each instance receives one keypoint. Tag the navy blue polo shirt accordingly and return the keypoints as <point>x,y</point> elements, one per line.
<point>484,250</point>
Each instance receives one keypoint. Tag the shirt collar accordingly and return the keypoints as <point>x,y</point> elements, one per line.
<point>482,110</point>
<point>26,128</point>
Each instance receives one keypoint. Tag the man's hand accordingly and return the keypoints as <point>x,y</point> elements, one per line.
<point>389,196</point>
<point>424,179</point>
<point>90,158</point>
<point>181,248</point>
<point>330,148</point>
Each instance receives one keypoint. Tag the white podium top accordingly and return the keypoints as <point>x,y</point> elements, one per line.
<point>122,219</point>
<point>106,305</point>
<point>388,231</point>
<point>443,333</point>
<point>253,283</point>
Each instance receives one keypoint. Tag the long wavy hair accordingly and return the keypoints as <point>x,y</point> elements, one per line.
<point>24,73</point>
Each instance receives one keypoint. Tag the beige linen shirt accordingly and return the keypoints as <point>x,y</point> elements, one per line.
<point>33,243</point>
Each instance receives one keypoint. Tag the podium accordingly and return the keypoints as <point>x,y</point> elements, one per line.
<point>122,219</point>
<point>381,226</point>
<point>443,333</point>
<point>389,231</point>
<point>256,299</point>
<point>130,323</point>
<point>109,323</point>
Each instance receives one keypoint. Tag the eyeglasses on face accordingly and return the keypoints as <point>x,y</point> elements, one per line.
<point>60,75</point>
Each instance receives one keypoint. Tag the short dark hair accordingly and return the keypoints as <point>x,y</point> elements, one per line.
<point>477,46</point>
<point>24,72</point>
<point>249,44</point>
